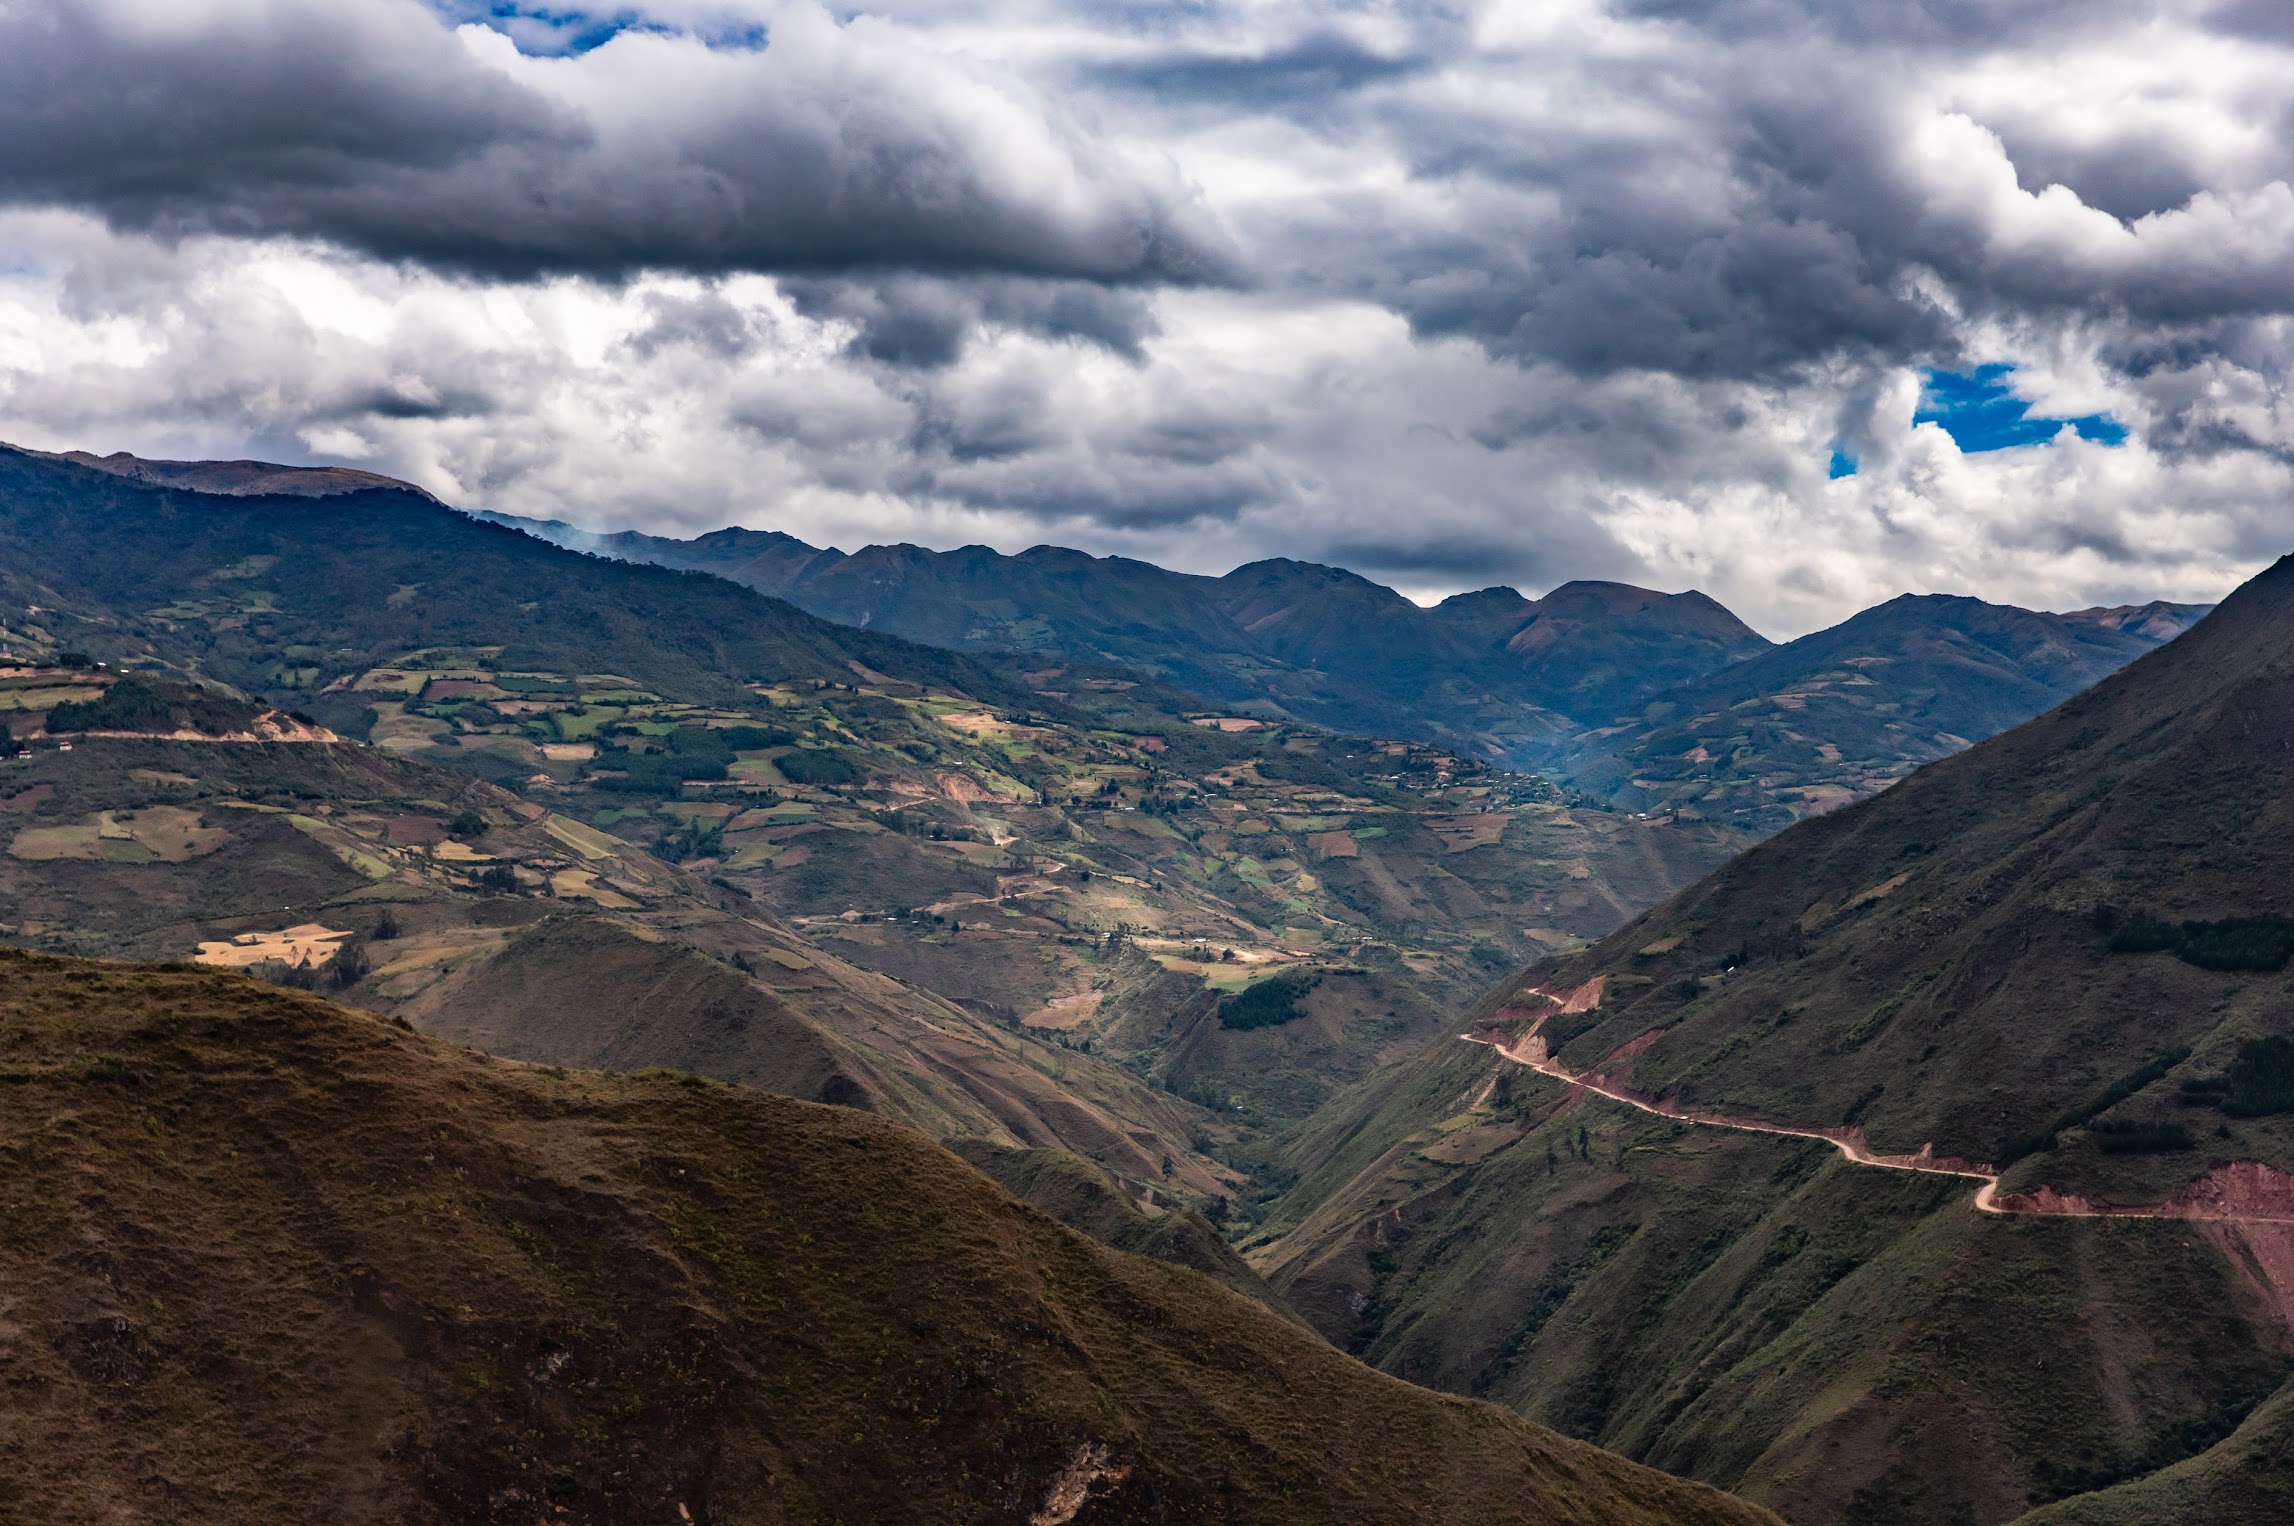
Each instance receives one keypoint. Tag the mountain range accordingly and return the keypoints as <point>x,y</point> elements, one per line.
<point>1664,702</point>
<point>1926,1162</point>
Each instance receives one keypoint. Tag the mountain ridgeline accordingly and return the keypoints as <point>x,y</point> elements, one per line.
<point>1667,702</point>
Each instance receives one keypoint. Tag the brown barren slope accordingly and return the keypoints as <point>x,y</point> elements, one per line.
<point>260,1253</point>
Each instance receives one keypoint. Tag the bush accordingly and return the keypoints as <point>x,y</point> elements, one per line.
<point>695,839</point>
<point>2141,1138</point>
<point>2234,943</point>
<point>821,766</point>
<point>654,774</point>
<point>1269,1003</point>
<point>752,738</point>
<point>136,703</point>
<point>2260,1081</point>
<point>466,824</point>
<point>349,965</point>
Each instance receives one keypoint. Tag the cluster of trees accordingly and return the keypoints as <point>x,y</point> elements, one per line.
<point>137,703</point>
<point>1268,1003</point>
<point>2258,1083</point>
<point>692,753</point>
<point>2233,943</point>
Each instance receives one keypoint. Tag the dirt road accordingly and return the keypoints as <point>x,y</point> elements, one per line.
<point>2245,1206</point>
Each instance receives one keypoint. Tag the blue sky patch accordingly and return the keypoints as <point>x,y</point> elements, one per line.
<point>555,31</point>
<point>1843,464</point>
<point>1981,412</point>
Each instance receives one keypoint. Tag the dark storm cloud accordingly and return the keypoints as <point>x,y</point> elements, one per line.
<point>367,123</point>
<point>1305,70</point>
<point>1765,187</point>
<point>923,321</point>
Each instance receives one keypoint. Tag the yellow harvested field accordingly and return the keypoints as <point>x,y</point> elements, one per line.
<point>460,853</point>
<point>38,844</point>
<point>1229,723</point>
<point>1064,1012</point>
<point>582,885</point>
<point>978,723</point>
<point>1460,833</point>
<point>46,699</point>
<point>392,681</point>
<point>307,944</point>
<point>156,834</point>
<point>584,839</point>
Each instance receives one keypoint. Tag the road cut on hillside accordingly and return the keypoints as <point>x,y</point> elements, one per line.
<point>2245,1207</point>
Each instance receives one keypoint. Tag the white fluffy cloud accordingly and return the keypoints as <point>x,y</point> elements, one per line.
<point>1452,294</point>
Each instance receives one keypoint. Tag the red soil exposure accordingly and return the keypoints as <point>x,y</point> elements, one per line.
<point>2245,1207</point>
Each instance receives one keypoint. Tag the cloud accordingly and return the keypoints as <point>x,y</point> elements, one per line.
<point>370,124</point>
<point>1453,292</point>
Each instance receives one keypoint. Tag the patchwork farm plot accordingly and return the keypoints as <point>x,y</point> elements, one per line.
<point>980,849</point>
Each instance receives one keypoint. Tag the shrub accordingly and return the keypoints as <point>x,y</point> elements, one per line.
<point>821,766</point>
<point>2141,1138</point>
<point>2261,1080</point>
<point>1268,1003</point>
<point>136,703</point>
<point>695,839</point>
<point>349,965</point>
<point>751,738</point>
<point>2233,943</point>
<point>654,774</point>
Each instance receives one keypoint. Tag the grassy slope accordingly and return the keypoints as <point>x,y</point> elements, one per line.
<point>1932,953</point>
<point>1083,1197</point>
<point>2246,1481</point>
<point>1837,1342</point>
<point>1841,713</point>
<point>545,979</point>
<point>261,1251</point>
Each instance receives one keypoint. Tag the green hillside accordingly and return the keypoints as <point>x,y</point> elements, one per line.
<point>2062,955</point>
<point>1666,703</point>
<point>1837,715</point>
<point>261,1251</point>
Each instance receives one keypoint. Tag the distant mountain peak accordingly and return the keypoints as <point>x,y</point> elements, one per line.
<point>236,479</point>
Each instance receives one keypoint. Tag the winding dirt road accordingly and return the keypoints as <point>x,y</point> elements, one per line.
<point>2245,1207</point>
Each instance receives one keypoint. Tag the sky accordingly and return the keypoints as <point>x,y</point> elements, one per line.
<point>1802,304</point>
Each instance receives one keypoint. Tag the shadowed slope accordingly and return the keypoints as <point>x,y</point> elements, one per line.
<point>261,1251</point>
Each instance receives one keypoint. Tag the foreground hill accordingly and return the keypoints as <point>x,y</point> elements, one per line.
<point>261,1251</point>
<point>2037,989</point>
